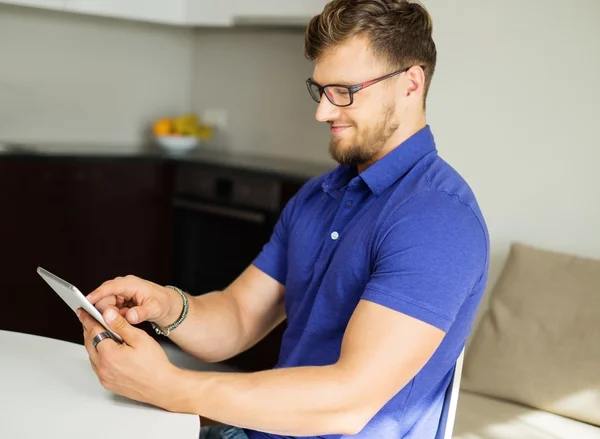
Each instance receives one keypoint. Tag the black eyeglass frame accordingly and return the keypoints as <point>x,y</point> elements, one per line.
<point>351,88</point>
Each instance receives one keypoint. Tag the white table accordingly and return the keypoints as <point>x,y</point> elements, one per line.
<point>48,390</point>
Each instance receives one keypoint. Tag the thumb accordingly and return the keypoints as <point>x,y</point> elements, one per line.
<point>117,323</point>
<point>147,311</point>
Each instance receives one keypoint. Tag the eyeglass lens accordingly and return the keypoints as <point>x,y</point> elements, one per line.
<point>336,95</point>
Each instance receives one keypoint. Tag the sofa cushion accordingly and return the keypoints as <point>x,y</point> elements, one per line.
<point>483,417</point>
<point>539,341</point>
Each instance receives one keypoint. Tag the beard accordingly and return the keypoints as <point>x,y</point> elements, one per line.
<point>367,141</point>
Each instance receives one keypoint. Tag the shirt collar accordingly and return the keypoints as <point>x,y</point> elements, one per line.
<point>386,171</point>
<point>338,178</point>
<point>394,165</point>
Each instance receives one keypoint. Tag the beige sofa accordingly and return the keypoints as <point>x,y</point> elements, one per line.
<point>483,417</point>
<point>532,366</point>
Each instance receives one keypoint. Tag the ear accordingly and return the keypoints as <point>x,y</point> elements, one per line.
<point>416,81</point>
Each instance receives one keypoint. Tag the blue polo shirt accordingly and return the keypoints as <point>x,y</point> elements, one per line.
<point>407,234</point>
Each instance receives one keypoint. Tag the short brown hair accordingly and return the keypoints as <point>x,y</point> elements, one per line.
<point>400,31</point>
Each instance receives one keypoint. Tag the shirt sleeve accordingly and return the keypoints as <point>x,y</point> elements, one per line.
<point>273,258</point>
<point>428,258</point>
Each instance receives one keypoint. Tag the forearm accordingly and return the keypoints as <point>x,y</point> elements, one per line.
<point>213,329</point>
<point>221,324</point>
<point>302,401</point>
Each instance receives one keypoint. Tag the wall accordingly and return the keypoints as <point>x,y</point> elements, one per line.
<point>65,77</point>
<point>514,107</point>
<point>258,76</point>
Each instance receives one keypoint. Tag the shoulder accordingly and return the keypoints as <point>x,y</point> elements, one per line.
<point>442,177</point>
<point>442,197</point>
<point>437,214</point>
<point>440,215</point>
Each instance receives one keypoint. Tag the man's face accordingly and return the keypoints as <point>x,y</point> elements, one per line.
<point>362,131</point>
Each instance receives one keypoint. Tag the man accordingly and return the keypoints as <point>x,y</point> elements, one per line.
<point>378,266</point>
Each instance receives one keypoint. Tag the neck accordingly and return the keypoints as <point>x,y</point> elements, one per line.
<point>405,131</point>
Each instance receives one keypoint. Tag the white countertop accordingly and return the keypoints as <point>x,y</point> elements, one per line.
<point>48,390</point>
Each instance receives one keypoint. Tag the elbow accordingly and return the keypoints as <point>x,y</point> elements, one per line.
<point>353,422</point>
<point>355,412</point>
<point>356,405</point>
<point>352,430</point>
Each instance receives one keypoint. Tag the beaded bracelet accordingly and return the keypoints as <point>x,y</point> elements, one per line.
<point>181,318</point>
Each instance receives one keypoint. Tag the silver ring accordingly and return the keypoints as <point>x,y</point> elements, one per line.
<point>99,337</point>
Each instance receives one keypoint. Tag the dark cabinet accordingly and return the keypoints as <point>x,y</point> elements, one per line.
<point>88,220</point>
<point>84,220</point>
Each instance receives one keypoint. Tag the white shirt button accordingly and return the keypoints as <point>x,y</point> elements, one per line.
<point>335,235</point>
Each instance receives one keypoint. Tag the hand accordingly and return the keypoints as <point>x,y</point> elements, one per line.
<point>138,369</point>
<point>138,300</point>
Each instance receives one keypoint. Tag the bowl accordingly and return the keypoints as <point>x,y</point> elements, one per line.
<point>177,143</point>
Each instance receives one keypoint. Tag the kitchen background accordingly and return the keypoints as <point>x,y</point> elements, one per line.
<point>514,102</point>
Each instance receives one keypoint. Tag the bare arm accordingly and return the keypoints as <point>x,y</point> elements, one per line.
<point>336,399</point>
<point>221,324</point>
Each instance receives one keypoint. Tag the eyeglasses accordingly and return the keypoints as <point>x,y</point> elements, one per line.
<point>342,95</point>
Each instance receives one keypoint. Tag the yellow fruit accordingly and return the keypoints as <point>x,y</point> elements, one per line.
<point>186,124</point>
<point>162,127</point>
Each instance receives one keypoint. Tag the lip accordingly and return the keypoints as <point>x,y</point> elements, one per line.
<point>336,129</point>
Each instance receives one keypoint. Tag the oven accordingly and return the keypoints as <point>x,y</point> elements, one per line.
<point>222,219</point>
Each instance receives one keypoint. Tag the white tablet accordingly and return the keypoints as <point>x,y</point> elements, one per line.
<point>74,298</point>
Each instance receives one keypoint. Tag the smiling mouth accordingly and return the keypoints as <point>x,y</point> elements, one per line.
<point>335,129</point>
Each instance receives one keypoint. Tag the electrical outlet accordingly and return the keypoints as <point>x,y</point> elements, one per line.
<point>218,118</point>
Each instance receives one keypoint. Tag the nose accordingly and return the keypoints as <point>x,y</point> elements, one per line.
<point>326,111</point>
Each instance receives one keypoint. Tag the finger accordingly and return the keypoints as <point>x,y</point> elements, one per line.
<point>148,310</point>
<point>130,335</point>
<point>126,286</point>
<point>113,301</point>
<point>102,348</point>
<point>102,304</point>
<point>89,323</point>
<point>91,329</point>
<point>92,353</point>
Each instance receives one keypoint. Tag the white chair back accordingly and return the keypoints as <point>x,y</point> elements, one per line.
<point>448,416</point>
